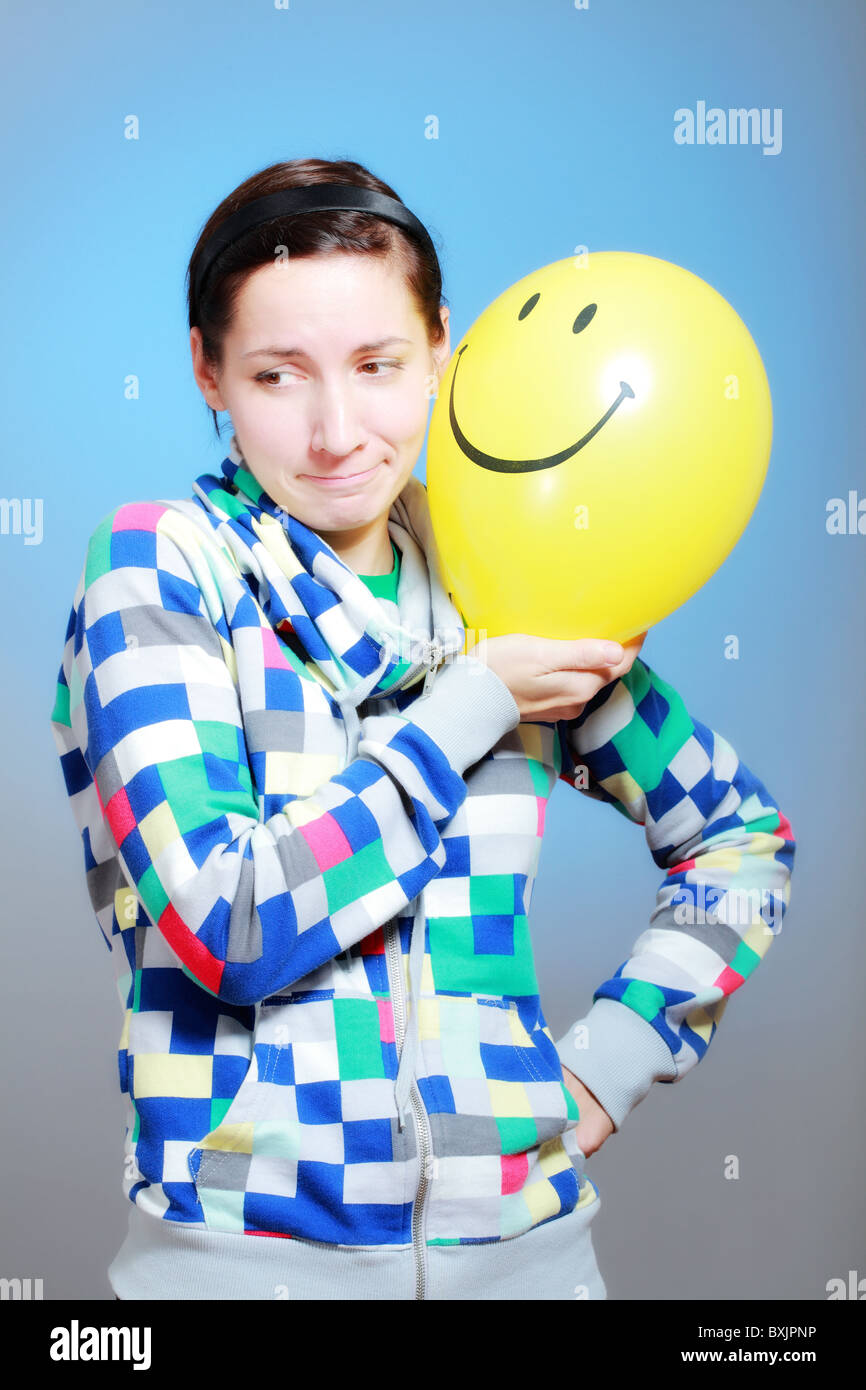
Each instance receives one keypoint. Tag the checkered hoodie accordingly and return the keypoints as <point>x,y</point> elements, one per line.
<point>314,879</point>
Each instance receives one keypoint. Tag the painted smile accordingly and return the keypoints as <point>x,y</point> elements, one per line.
<point>500,465</point>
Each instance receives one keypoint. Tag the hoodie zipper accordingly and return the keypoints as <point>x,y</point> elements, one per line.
<point>432,659</point>
<point>394,963</point>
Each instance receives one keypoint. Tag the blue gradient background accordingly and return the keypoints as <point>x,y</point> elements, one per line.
<point>556,129</point>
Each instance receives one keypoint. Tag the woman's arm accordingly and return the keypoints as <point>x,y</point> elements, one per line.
<point>727,851</point>
<point>147,707</point>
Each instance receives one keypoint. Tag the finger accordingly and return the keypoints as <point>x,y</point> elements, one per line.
<point>632,652</point>
<point>585,654</point>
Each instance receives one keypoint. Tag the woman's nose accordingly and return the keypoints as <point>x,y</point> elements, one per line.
<point>336,425</point>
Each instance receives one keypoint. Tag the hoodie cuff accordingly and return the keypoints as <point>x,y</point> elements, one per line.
<point>467,710</point>
<point>617,1055</point>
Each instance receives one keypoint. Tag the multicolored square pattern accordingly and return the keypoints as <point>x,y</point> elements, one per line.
<point>243,875</point>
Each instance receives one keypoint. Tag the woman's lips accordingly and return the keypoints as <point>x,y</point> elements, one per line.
<point>342,479</point>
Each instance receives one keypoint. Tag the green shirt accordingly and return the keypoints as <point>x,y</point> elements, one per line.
<point>385,586</point>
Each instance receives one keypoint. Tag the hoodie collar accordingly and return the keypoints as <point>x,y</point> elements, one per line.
<point>305,588</point>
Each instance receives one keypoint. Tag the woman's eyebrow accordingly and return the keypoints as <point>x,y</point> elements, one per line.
<point>299,352</point>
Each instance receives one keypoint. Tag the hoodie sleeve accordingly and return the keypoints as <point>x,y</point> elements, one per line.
<point>727,853</point>
<point>147,707</point>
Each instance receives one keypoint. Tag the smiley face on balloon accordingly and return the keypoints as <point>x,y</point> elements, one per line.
<point>599,441</point>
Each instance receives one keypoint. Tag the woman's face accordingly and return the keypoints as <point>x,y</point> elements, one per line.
<point>328,375</point>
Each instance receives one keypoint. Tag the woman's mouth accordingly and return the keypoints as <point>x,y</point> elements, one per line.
<point>338,480</point>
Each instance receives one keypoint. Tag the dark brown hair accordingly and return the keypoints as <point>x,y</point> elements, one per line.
<point>305,234</point>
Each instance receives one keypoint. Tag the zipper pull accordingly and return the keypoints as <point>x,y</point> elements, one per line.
<point>434,655</point>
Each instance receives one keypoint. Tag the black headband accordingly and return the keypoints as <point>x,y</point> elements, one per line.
<point>317,197</point>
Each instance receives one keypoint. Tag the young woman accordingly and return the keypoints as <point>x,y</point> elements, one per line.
<point>312,820</point>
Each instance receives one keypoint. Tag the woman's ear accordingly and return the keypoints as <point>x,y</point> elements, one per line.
<point>205,376</point>
<point>442,352</point>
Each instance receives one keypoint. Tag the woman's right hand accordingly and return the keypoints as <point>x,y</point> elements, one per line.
<point>552,679</point>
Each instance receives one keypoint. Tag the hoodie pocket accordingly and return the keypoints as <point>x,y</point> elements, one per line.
<point>222,1155</point>
<point>307,1147</point>
<point>554,1109</point>
<point>523,1071</point>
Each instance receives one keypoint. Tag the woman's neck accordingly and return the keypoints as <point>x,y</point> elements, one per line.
<point>365,554</point>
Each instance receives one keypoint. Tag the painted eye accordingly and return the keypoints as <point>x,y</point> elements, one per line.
<point>584,317</point>
<point>528,306</point>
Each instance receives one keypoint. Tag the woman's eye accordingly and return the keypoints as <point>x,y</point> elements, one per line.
<point>263,377</point>
<point>267,378</point>
<point>396,365</point>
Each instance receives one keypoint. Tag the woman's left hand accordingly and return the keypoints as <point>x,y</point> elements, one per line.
<point>630,650</point>
<point>594,1125</point>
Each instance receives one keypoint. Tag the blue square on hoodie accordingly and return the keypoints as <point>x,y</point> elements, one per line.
<point>228,1073</point>
<point>367,1141</point>
<point>319,1103</point>
<point>357,823</point>
<point>105,637</point>
<point>276,1064</point>
<point>133,548</point>
<point>457,863</point>
<point>282,689</point>
<point>493,935</point>
<point>437,1095</point>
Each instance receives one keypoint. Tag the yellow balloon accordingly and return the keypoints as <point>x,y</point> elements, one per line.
<point>599,441</point>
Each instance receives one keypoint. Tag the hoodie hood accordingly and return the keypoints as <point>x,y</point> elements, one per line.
<point>353,639</point>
